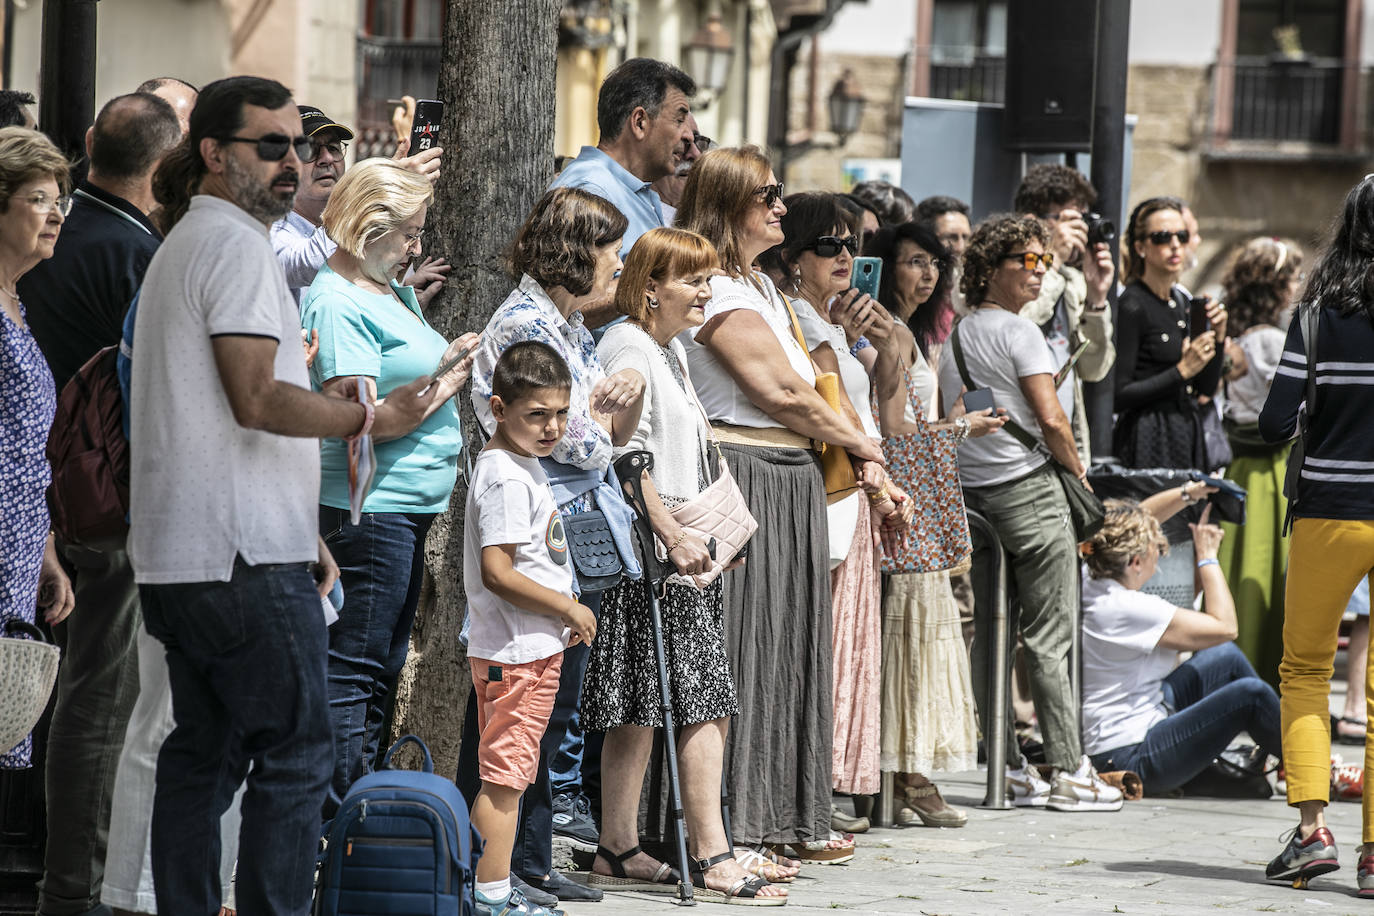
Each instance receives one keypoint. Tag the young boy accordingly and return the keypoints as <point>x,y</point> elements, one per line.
<point>520,607</point>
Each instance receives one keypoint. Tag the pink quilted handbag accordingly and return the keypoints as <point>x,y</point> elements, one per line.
<point>719,512</point>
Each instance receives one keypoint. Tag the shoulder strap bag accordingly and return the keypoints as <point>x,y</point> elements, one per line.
<point>1311,320</point>
<point>1085,509</point>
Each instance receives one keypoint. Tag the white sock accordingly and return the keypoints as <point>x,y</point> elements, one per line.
<point>494,891</point>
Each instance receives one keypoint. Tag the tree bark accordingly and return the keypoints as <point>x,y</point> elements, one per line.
<point>496,80</point>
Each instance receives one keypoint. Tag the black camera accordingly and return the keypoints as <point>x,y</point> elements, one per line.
<point>1100,231</point>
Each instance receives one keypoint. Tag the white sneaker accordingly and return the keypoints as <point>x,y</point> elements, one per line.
<point>1025,788</point>
<point>1083,790</point>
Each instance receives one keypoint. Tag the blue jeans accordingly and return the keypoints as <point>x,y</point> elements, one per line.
<point>1216,695</point>
<point>246,663</point>
<point>381,565</point>
<point>532,856</point>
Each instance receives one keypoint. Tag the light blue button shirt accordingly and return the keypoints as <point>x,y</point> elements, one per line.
<point>598,173</point>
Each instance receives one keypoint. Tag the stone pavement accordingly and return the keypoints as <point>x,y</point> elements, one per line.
<point>1165,856</point>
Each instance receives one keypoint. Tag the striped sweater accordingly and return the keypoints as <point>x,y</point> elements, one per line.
<point>1337,479</point>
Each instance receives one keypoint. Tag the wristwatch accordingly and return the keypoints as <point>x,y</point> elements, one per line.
<point>1185,496</point>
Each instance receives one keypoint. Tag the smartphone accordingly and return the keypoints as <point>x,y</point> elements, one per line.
<point>1198,322</point>
<point>424,130</point>
<point>462,355</point>
<point>867,275</point>
<point>979,399</point>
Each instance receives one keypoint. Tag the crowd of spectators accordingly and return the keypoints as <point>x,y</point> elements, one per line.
<point>271,308</point>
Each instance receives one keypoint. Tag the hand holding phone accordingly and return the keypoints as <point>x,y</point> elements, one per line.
<point>1198,322</point>
<point>424,129</point>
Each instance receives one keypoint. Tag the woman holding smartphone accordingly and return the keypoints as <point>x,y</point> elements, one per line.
<point>371,326</point>
<point>1163,364</point>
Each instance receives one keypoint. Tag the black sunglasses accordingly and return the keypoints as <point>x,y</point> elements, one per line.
<point>828,246</point>
<point>273,147</point>
<point>702,142</point>
<point>772,193</point>
<point>1164,236</point>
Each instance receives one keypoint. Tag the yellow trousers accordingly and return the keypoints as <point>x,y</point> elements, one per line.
<point>1327,558</point>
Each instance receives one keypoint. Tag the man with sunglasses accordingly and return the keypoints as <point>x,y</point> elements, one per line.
<point>1072,309</point>
<point>644,114</point>
<point>299,239</point>
<point>669,187</point>
<point>224,491</point>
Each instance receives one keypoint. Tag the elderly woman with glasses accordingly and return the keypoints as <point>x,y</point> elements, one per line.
<point>33,184</point>
<point>1161,367</point>
<point>371,326</point>
<point>814,264</point>
<point>1015,487</point>
<point>757,384</point>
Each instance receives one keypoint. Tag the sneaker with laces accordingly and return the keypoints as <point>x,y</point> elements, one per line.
<point>1302,859</point>
<point>1083,790</point>
<point>1364,875</point>
<point>572,820</point>
<point>515,905</point>
<point>1025,788</point>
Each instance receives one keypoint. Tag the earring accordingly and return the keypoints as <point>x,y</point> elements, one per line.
<point>653,303</point>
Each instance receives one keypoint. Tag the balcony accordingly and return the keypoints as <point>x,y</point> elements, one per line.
<point>983,79</point>
<point>1282,101</point>
<point>389,68</point>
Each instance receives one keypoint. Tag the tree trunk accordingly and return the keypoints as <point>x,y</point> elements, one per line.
<point>496,80</point>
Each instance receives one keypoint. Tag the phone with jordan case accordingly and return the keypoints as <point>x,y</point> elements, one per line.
<point>424,130</point>
<point>867,275</point>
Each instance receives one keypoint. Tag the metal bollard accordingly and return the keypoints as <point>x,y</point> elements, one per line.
<point>995,730</point>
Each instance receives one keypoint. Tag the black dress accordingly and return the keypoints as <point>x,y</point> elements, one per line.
<point>1159,422</point>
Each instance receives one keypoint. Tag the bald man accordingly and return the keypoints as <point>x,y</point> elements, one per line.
<point>180,94</point>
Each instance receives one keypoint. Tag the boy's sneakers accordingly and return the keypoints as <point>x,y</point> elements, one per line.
<point>572,820</point>
<point>1364,876</point>
<point>515,905</point>
<point>1025,788</point>
<point>1083,790</point>
<point>1304,859</point>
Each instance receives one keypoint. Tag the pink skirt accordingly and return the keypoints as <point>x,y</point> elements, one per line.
<point>856,642</point>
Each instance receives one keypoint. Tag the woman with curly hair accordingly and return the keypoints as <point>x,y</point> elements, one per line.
<point>1017,490</point>
<point>1160,370</point>
<point>1259,288</point>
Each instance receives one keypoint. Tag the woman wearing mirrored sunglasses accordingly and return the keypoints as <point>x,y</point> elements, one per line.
<point>815,262</point>
<point>1160,370</point>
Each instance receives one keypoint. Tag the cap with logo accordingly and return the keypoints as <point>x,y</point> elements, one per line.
<point>313,121</point>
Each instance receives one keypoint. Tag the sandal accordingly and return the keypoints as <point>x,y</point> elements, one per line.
<point>841,821</point>
<point>1345,737</point>
<point>758,860</point>
<point>664,881</point>
<point>943,816</point>
<point>744,892</point>
<point>833,851</point>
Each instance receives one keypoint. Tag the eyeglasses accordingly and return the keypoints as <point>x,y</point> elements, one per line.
<point>1164,237</point>
<point>413,238</point>
<point>1029,259</point>
<point>924,264</point>
<point>828,246</point>
<point>44,204</point>
<point>702,142</point>
<point>335,148</point>
<point>772,193</point>
<point>273,147</point>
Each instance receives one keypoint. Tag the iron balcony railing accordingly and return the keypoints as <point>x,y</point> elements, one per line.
<point>389,68</point>
<point>1287,100</point>
<point>983,79</point>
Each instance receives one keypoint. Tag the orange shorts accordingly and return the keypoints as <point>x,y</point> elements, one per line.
<point>514,703</point>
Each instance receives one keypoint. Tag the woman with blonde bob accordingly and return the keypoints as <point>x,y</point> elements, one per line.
<point>663,290</point>
<point>1142,709</point>
<point>370,325</point>
<point>757,383</point>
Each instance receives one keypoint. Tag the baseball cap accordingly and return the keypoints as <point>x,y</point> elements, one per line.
<point>313,121</point>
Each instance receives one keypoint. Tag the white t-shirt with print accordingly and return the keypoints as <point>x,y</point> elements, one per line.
<point>1000,349</point>
<point>509,502</point>
<point>1123,663</point>
<point>204,489</point>
<point>722,398</point>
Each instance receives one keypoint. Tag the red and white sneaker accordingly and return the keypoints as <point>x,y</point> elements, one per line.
<point>1347,781</point>
<point>1364,875</point>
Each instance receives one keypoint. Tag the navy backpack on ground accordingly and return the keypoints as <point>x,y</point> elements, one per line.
<point>400,844</point>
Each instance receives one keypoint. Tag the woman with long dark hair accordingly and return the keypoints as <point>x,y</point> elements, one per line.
<point>1332,543</point>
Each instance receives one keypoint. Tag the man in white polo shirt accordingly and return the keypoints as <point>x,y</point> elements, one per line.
<point>224,490</point>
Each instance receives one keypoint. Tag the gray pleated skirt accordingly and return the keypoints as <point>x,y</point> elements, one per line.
<point>778,638</point>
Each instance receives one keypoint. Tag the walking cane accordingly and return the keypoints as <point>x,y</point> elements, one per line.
<point>630,469</point>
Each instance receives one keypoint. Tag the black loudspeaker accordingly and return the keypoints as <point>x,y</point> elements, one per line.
<point>1051,73</point>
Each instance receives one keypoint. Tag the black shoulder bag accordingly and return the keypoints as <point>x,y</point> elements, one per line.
<point>1311,319</point>
<point>1085,509</point>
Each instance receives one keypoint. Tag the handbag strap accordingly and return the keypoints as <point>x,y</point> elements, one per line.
<point>1011,426</point>
<point>691,393</point>
<point>1310,322</point>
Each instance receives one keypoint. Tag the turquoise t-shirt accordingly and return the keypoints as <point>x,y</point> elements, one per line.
<point>363,333</point>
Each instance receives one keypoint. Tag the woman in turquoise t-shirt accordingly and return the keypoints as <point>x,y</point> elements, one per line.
<point>372,326</point>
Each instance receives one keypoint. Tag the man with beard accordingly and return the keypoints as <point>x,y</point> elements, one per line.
<point>224,488</point>
<point>299,239</point>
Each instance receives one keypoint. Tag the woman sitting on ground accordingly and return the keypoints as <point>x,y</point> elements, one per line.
<point>1142,710</point>
<point>663,290</point>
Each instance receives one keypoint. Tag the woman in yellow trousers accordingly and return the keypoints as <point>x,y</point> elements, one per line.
<point>1332,544</point>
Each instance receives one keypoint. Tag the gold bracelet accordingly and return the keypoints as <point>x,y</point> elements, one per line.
<point>881,495</point>
<point>682,536</point>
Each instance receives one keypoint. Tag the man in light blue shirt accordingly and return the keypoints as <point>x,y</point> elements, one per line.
<point>644,115</point>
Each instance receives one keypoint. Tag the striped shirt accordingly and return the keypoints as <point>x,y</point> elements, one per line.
<point>1337,479</point>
